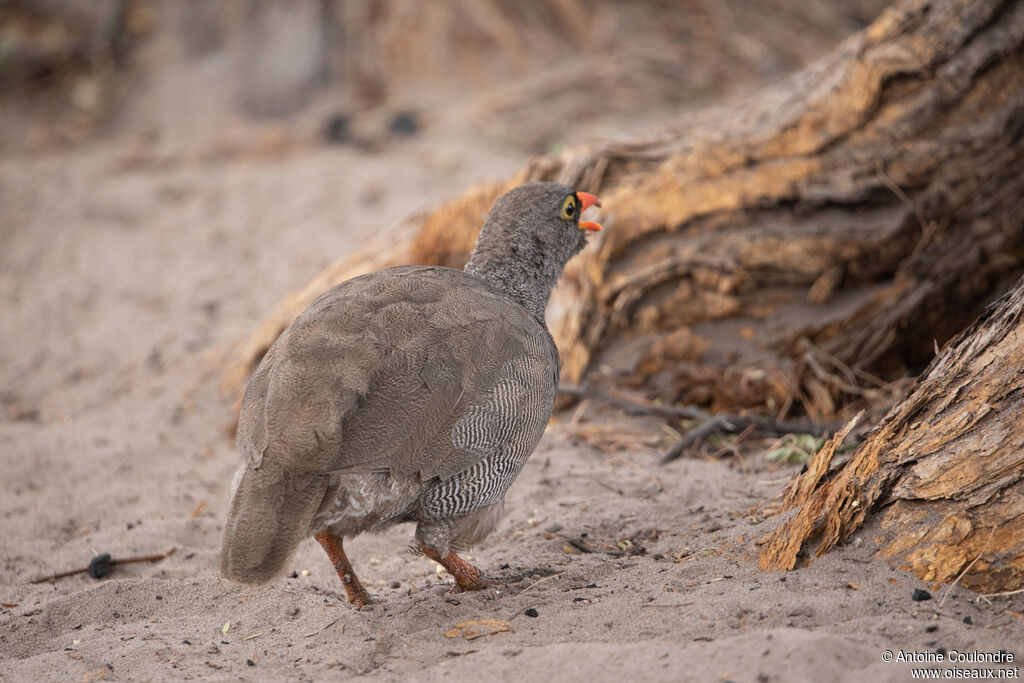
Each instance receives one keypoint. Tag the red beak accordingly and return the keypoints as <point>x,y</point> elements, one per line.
<point>586,201</point>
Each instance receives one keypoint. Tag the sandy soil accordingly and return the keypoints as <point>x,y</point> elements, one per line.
<point>128,267</point>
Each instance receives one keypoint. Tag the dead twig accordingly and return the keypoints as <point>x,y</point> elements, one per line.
<point>546,578</point>
<point>1002,595</point>
<point>710,423</point>
<point>731,424</point>
<point>99,566</point>
<point>695,436</point>
<point>319,630</point>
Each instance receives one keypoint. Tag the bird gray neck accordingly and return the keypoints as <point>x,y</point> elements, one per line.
<point>530,287</point>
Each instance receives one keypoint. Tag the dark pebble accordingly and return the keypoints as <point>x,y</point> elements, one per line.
<point>968,621</point>
<point>337,128</point>
<point>920,595</point>
<point>99,566</point>
<point>250,662</point>
<point>531,612</point>
<point>405,123</point>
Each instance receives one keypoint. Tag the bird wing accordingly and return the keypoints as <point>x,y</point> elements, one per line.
<point>414,370</point>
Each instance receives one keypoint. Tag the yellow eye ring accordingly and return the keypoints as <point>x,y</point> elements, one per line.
<point>569,208</point>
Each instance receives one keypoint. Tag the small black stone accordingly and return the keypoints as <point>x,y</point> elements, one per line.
<point>337,128</point>
<point>99,566</point>
<point>920,595</point>
<point>531,612</point>
<point>250,662</point>
<point>405,123</point>
<point>968,620</point>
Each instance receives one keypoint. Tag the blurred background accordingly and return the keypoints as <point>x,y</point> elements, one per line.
<point>170,170</point>
<point>527,74</point>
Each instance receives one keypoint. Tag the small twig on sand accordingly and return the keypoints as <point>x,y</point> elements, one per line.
<point>737,423</point>
<point>695,436</point>
<point>1001,595</point>
<point>319,630</point>
<point>105,560</point>
<point>710,423</point>
<point>967,568</point>
<point>546,578</point>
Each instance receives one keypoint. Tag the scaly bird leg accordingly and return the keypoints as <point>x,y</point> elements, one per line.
<point>467,577</point>
<point>357,595</point>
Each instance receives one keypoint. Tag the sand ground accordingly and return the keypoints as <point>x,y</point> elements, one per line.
<point>130,265</point>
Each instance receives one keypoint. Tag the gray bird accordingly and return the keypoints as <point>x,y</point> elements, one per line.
<point>414,394</point>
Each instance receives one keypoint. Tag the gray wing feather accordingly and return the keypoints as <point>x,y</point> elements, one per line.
<point>416,370</point>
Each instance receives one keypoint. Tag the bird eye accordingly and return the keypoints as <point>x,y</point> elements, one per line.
<point>569,208</point>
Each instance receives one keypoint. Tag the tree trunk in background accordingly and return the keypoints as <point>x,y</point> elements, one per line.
<point>946,466</point>
<point>783,249</point>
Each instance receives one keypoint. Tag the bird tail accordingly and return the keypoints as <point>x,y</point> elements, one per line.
<point>271,512</point>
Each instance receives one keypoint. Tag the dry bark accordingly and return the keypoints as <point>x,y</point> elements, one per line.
<point>946,466</point>
<point>832,227</point>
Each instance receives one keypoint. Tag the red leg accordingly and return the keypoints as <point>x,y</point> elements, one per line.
<point>357,595</point>
<point>467,577</point>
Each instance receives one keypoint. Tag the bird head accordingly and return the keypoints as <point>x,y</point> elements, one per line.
<point>539,225</point>
<point>530,234</point>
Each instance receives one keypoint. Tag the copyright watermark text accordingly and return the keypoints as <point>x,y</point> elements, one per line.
<point>958,664</point>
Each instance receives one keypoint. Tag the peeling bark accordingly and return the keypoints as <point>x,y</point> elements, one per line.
<point>944,469</point>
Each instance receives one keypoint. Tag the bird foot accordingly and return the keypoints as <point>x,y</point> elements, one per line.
<point>467,577</point>
<point>357,595</point>
<point>474,583</point>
